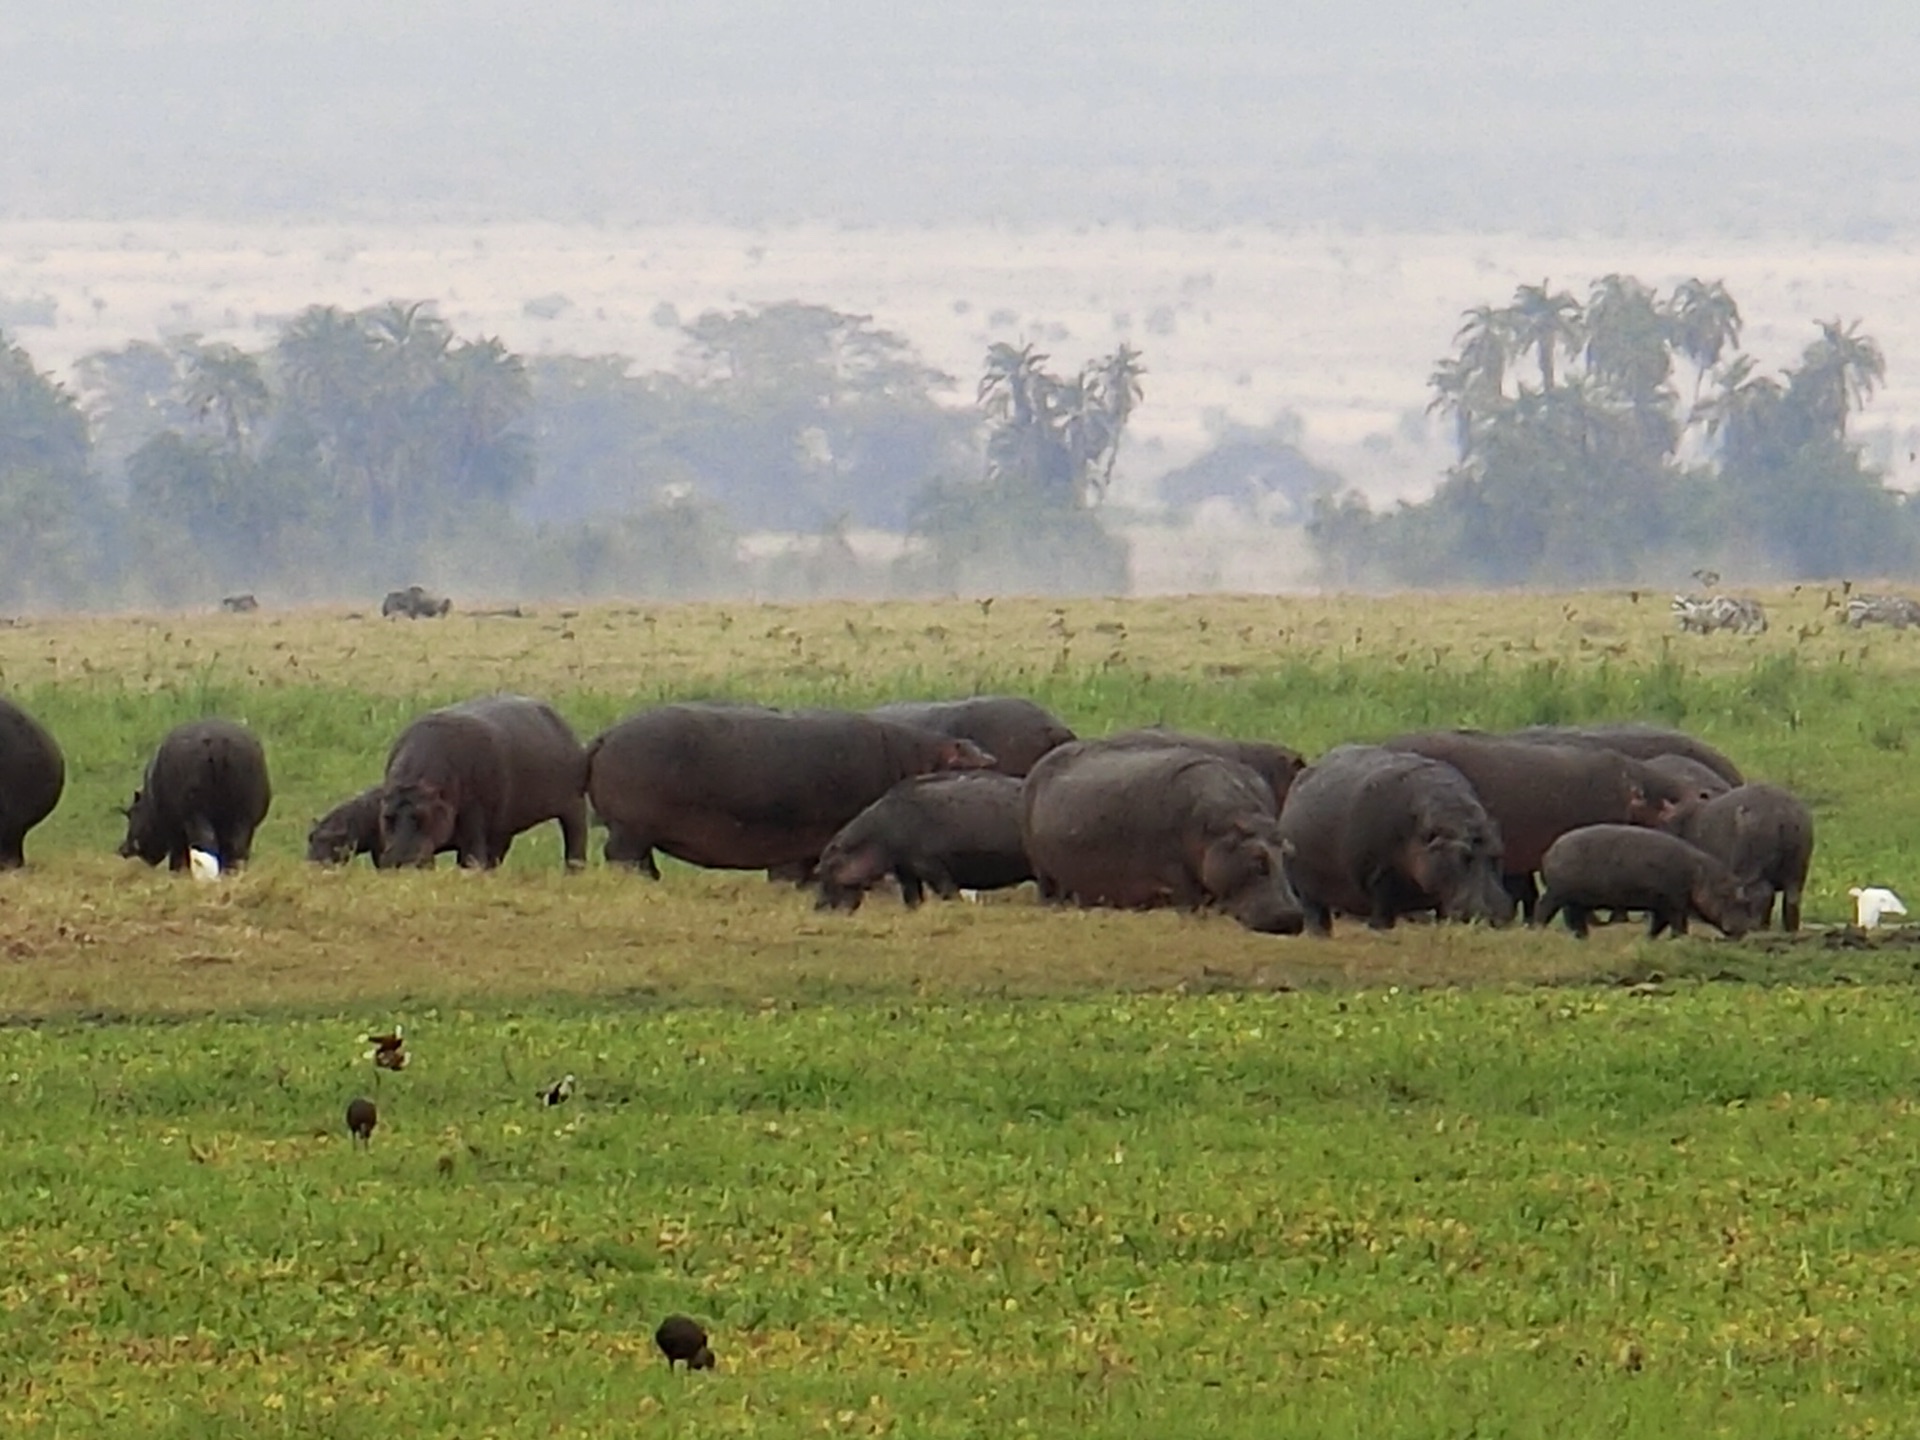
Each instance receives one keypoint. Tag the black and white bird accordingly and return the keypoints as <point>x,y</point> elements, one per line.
<point>388,1051</point>
<point>559,1092</point>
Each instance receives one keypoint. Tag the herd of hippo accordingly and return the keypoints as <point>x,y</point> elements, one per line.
<point>989,792</point>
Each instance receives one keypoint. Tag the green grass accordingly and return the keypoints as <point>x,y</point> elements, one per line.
<point>1569,1213</point>
<point>966,1171</point>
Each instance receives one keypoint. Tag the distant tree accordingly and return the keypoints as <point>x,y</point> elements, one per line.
<point>1705,321</point>
<point>52,515</point>
<point>1263,470</point>
<point>1544,325</point>
<point>1059,436</point>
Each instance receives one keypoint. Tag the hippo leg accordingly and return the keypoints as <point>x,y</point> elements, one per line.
<point>938,878</point>
<point>1578,918</point>
<point>1660,919</point>
<point>1319,920</point>
<point>1525,895</point>
<point>912,890</point>
<point>13,850</point>
<point>1789,906</point>
<point>573,835</point>
<point>471,842</point>
<point>200,835</point>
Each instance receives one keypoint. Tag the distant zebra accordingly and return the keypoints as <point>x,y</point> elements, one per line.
<point>1703,614</point>
<point>1894,610</point>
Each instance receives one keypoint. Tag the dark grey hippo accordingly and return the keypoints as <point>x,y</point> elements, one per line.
<point>32,774</point>
<point>206,788</point>
<point>1764,835</point>
<point>947,832</point>
<point>351,828</point>
<point>1385,833</point>
<point>1629,867</point>
<point>1014,730</point>
<point>1641,742</point>
<point>1142,826</point>
<point>472,776</point>
<point>1536,791</point>
<point>737,787</point>
<point>1275,764</point>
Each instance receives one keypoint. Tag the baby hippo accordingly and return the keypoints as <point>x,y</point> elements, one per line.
<point>952,830</point>
<point>1629,867</point>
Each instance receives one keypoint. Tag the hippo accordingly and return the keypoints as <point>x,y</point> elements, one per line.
<point>1385,833</point>
<point>739,787</point>
<point>1701,780</point>
<point>1014,730</point>
<point>415,604</point>
<point>206,788</point>
<point>1137,827</point>
<point>1641,742</point>
<point>472,776</point>
<point>351,828</point>
<point>952,831</point>
<point>1630,867</point>
<point>1275,764</point>
<point>1536,791</point>
<point>33,773</point>
<point>1764,835</point>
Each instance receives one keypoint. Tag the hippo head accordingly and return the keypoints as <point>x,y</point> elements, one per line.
<point>961,755</point>
<point>1731,906</point>
<point>1458,865</point>
<point>416,823</point>
<point>1244,872</point>
<point>845,875</point>
<point>144,840</point>
<point>331,842</point>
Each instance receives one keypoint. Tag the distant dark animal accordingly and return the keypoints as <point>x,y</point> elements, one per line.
<point>1764,835</point>
<point>474,775</point>
<point>1642,742</point>
<point>1895,610</point>
<point>1275,764</point>
<point>1629,867</point>
<point>32,775</point>
<point>1136,827</point>
<point>351,828</point>
<point>206,788</point>
<point>415,604</point>
<point>737,787</point>
<point>1385,833</point>
<point>683,1340</point>
<point>239,604</point>
<point>950,832</point>
<point>361,1118</point>
<point>1536,791</point>
<point>1014,730</point>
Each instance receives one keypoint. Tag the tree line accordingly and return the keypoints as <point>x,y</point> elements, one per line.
<point>359,449</point>
<point>1627,436</point>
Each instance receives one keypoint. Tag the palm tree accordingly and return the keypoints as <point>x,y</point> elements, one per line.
<point>1744,414</point>
<point>1705,322</point>
<point>1838,374</point>
<point>1112,389</point>
<point>226,384</point>
<point>1545,324</point>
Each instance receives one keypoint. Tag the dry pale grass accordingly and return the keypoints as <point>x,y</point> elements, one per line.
<point>103,938</point>
<point>743,648</point>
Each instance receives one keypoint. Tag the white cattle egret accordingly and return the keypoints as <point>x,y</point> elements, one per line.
<point>1870,902</point>
<point>203,865</point>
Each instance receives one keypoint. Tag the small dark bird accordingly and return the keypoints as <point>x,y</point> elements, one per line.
<point>361,1118</point>
<point>681,1337</point>
<point>559,1092</point>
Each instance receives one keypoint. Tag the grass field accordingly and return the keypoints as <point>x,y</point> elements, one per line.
<point>966,1171</point>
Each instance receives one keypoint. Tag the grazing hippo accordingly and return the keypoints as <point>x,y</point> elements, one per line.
<point>1536,791</point>
<point>1014,730</point>
<point>415,604</point>
<point>32,775</point>
<point>1142,826</point>
<point>1764,835</point>
<point>206,788</point>
<point>1702,782</point>
<point>1642,742</point>
<point>1274,764</point>
<point>472,776</point>
<point>953,832</point>
<point>1385,833</point>
<point>737,787</point>
<point>351,828</point>
<point>1629,867</point>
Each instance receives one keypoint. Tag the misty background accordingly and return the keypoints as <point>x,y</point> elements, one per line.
<point>1425,155</point>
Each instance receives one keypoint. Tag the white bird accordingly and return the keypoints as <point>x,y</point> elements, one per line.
<point>1871,902</point>
<point>203,865</point>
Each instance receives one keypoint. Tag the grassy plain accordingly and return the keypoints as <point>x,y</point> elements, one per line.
<point>974,1170</point>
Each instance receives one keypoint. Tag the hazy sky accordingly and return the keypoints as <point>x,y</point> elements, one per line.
<point>1773,116</point>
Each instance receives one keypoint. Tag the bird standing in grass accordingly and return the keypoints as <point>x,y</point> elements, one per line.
<point>361,1118</point>
<point>681,1337</point>
<point>388,1051</point>
<point>559,1092</point>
